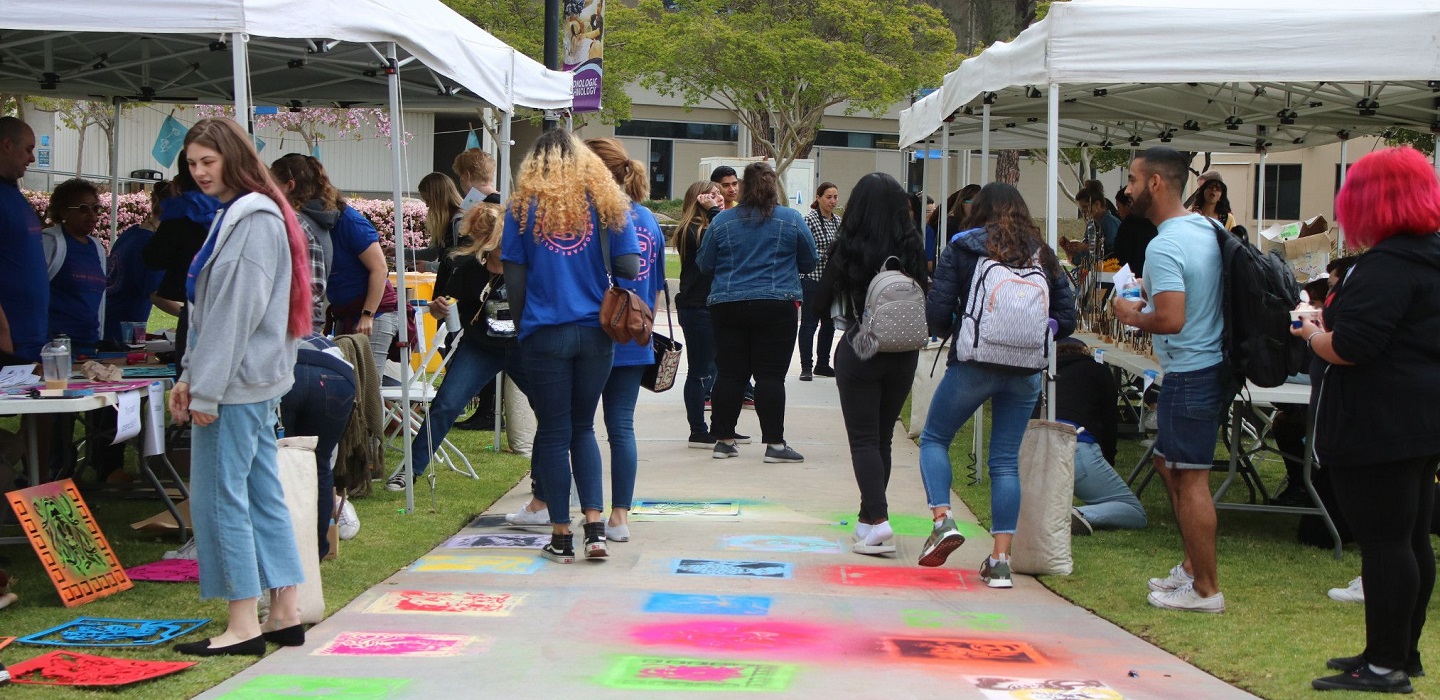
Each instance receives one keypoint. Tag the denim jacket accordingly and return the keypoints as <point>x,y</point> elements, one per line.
<point>756,259</point>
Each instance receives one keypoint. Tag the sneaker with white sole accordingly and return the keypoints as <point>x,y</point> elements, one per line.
<point>561,549</point>
<point>879,540</point>
<point>595,541</point>
<point>1178,578</point>
<point>784,455</point>
<point>396,483</point>
<point>724,450</point>
<point>996,573</point>
<point>1186,599</point>
<point>861,530</point>
<point>186,551</point>
<point>1353,593</point>
<point>1080,525</point>
<point>347,522</point>
<point>525,516</point>
<point>944,539</point>
<point>701,441</point>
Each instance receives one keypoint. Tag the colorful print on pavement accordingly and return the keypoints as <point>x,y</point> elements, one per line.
<point>993,688</point>
<point>390,644</point>
<point>720,567</point>
<point>700,604</point>
<point>658,673</point>
<point>477,564</point>
<point>271,687</point>
<point>780,543</point>
<point>449,603</point>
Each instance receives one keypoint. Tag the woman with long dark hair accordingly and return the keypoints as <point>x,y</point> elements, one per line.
<point>702,203</point>
<point>565,200</point>
<point>301,184</point>
<point>999,229</point>
<point>1212,200</point>
<point>756,252</point>
<point>875,230</point>
<point>249,293</point>
<point>1375,373</point>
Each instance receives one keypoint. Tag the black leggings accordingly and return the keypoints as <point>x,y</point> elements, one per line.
<point>872,392</point>
<point>752,339</point>
<point>1388,507</point>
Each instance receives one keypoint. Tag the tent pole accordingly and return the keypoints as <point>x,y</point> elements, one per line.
<point>505,187</point>
<point>965,156</point>
<point>1052,224</point>
<point>940,232</point>
<point>1260,213</point>
<point>115,171</point>
<point>985,145</point>
<point>240,63</point>
<point>397,130</point>
<point>1344,166</point>
<point>1436,155</point>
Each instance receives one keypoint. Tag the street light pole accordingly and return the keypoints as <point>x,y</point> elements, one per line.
<point>552,52</point>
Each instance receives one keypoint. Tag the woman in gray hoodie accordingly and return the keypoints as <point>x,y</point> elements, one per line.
<point>249,297</point>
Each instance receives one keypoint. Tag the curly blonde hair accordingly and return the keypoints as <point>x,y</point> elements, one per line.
<point>483,225</point>
<point>564,179</point>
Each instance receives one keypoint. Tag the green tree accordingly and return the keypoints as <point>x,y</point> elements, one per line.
<point>777,65</point>
<point>1421,141</point>
<point>80,115</point>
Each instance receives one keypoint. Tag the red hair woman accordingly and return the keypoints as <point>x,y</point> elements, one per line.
<point>1377,367</point>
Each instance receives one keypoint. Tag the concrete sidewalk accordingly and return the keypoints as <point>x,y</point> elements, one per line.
<point>758,591</point>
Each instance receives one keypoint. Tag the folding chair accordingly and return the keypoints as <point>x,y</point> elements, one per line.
<point>422,391</point>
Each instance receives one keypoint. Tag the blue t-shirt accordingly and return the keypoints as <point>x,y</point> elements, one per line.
<point>1184,257</point>
<point>24,282</point>
<point>565,280</point>
<point>75,295</point>
<point>349,278</point>
<point>646,284</point>
<point>129,283</point>
<point>930,243</point>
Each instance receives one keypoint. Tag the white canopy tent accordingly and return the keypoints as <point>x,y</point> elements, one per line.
<point>288,53</point>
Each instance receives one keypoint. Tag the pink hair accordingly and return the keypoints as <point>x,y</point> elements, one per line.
<point>300,299</point>
<point>1390,192</point>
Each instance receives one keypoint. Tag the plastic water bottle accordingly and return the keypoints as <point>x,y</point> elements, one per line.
<point>1131,292</point>
<point>55,357</point>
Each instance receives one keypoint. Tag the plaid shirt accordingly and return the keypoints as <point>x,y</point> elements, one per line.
<point>823,230</point>
<point>318,275</point>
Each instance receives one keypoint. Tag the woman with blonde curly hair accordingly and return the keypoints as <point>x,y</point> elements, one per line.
<point>565,198</point>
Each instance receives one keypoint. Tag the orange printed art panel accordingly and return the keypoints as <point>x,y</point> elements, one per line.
<point>69,543</point>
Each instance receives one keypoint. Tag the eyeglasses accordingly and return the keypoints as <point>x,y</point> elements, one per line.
<point>86,208</point>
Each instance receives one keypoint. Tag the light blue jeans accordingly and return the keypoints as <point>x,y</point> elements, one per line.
<point>1109,503</point>
<point>243,537</point>
<point>962,391</point>
<point>621,393</point>
<point>567,367</point>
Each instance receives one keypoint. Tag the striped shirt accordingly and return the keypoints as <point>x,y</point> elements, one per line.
<point>823,230</point>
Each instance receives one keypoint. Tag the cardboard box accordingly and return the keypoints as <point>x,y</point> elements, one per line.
<point>1306,245</point>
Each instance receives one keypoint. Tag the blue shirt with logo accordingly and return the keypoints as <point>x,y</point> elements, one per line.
<point>646,284</point>
<point>1185,257</point>
<point>24,281</point>
<point>75,295</point>
<point>349,278</point>
<point>565,279</point>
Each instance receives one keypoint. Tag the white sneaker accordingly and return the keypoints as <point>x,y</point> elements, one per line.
<point>1178,577</point>
<point>1353,593</point>
<point>862,530</point>
<point>525,516</point>
<point>186,551</point>
<point>348,522</point>
<point>880,540</point>
<point>1185,598</point>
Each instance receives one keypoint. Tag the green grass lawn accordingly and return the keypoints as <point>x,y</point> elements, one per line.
<point>1279,627</point>
<point>388,541</point>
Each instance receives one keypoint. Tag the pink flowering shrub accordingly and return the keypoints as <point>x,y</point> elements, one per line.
<point>134,209</point>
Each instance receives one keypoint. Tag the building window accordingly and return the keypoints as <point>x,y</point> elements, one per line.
<point>660,158</point>
<point>691,131</point>
<point>1282,192</point>
<point>857,139</point>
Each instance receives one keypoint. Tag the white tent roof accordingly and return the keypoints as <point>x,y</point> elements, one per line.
<point>313,51</point>
<point>1204,61</point>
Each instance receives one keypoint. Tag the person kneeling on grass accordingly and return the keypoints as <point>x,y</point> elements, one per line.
<point>1085,397</point>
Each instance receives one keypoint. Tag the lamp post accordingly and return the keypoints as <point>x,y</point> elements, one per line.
<point>552,52</point>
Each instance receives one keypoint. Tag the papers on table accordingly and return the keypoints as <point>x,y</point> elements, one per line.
<point>18,375</point>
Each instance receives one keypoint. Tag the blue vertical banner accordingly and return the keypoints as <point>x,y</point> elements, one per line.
<point>315,152</point>
<point>169,142</point>
<point>259,143</point>
<point>472,140</point>
<point>584,29</point>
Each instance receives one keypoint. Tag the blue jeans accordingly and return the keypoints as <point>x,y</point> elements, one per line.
<point>700,365</point>
<point>621,392</point>
<point>471,367</point>
<point>243,537</point>
<point>319,404</point>
<point>567,368</point>
<point>1109,503</point>
<point>962,391</point>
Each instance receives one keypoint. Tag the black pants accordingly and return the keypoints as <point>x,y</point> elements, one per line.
<point>810,319</point>
<point>1388,507</point>
<point>752,339</point>
<point>872,392</point>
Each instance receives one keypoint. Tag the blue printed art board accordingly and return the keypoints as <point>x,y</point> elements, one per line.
<point>109,632</point>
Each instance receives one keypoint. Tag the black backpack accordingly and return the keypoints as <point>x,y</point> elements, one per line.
<point>1258,292</point>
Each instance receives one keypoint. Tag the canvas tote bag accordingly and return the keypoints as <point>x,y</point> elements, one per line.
<point>1047,484</point>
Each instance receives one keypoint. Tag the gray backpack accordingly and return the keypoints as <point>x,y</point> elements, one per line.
<point>1006,318</point>
<point>894,319</point>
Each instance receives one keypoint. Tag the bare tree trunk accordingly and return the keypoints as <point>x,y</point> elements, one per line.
<point>1007,166</point>
<point>80,151</point>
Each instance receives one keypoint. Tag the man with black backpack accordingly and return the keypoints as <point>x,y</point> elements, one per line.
<point>1183,312</point>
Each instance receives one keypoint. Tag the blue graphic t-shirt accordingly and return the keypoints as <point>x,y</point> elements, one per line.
<point>646,284</point>
<point>24,282</point>
<point>566,279</point>
<point>349,278</point>
<point>1184,258</point>
<point>75,295</point>
<point>129,283</point>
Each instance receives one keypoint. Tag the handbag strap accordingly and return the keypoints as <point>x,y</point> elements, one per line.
<point>665,286</point>
<point>605,253</point>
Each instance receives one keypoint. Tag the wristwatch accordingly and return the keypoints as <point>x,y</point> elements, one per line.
<point>366,312</point>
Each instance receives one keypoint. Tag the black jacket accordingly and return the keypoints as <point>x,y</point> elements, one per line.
<point>694,283</point>
<point>1085,395</point>
<point>1386,320</point>
<point>956,269</point>
<point>1131,241</point>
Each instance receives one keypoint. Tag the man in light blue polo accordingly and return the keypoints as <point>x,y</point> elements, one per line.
<point>1182,311</point>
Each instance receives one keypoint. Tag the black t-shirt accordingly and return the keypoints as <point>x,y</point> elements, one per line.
<point>1131,241</point>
